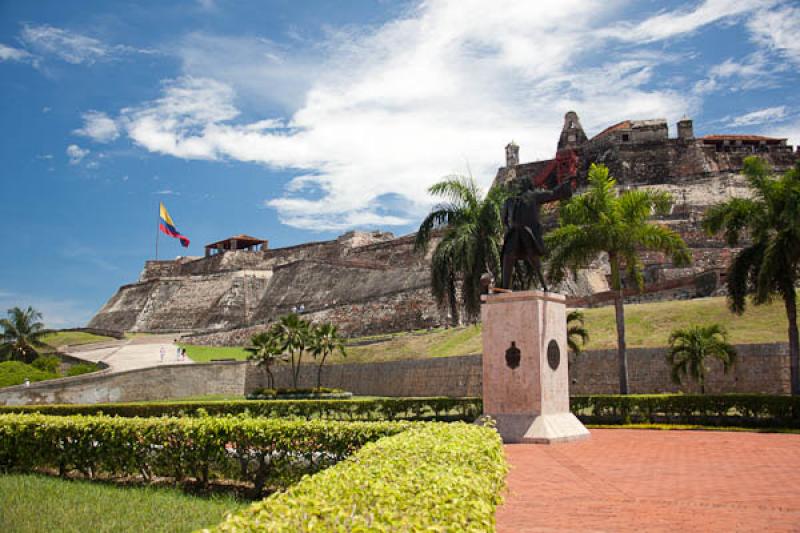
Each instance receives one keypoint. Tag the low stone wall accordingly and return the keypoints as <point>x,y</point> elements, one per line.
<point>761,368</point>
<point>156,383</point>
<point>442,376</point>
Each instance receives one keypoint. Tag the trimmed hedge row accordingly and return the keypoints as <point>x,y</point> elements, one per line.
<point>443,409</point>
<point>258,451</point>
<point>432,477</point>
<point>743,410</point>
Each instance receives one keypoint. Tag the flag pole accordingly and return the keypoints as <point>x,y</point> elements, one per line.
<point>158,229</point>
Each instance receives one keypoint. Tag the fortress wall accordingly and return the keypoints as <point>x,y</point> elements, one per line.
<point>320,286</point>
<point>121,312</point>
<point>401,311</point>
<point>762,368</point>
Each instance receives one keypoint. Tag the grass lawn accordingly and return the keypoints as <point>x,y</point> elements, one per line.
<point>73,338</point>
<point>647,325</point>
<point>203,354</point>
<point>31,503</point>
<point>15,372</point>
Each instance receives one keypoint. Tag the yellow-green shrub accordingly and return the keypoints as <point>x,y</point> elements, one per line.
<point>432,477</point>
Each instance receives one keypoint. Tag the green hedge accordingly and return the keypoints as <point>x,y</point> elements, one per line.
<point>743,410</point>
<point>433,477</point>
<point>443,409</point>
<point>258,451</point>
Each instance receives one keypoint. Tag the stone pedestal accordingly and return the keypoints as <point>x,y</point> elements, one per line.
<point>525,377</point>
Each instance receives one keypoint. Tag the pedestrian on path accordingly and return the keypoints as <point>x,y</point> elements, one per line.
<point>163,352</point>
<point>177,351</point>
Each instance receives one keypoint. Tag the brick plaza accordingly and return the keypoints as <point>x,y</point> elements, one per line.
<point>649,480</point>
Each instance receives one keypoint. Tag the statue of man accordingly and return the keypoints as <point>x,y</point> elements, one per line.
<point>523,236</point>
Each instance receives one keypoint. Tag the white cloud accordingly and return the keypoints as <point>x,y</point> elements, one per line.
<point>761,116</point>
<point>165,192</point>
<point>390,110</point>
<point>258,69</point>
<point>8,53</point>
<point>751,72</point>
<point>76,154</point>
<point>98,126</point>
<point>69,46</point>
<point>778,29</point>
<point>682,21</point>
<point>788,130</point>
<point>72,47</point>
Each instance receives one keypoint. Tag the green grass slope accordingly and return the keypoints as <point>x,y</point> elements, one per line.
<point>38,504</point>
<point>647,325</point>
<point>15,372</point>
<point>73,338</point>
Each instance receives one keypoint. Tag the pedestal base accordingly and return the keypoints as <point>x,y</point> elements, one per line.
<point>541,429</point>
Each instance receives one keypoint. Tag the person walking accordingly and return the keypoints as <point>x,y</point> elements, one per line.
<point>162,352</point>
<point>177,351</point>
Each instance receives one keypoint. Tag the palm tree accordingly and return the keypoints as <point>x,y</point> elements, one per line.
<point>324,341</point>
<point>266,349</point>
<point>689,348</point>
<point>603,220</point>
<point>577,334</point>
<point>22,334</point>
<point>293,333</point>
<point>470,244</point>
<point>769,265</point>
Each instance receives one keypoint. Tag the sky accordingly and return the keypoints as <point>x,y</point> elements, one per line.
<point>299,121</point>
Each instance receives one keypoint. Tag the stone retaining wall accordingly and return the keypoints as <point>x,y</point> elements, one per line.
<point>156,383</point>
<point>762,368</point>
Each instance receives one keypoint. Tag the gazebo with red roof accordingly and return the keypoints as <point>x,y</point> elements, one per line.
<point>237,242</point>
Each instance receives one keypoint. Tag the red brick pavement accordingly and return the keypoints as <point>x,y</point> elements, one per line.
<point>644,480</point>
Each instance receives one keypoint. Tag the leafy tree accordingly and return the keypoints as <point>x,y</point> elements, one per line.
<point>689,348</point>
<point>266,349</point>
<point>293,333</point>
<point>577,334</point>
<point>22,334</point>
<point>470,243</point>
<point>769,264</point>
<point>325,340</point>
<point>603,220</point>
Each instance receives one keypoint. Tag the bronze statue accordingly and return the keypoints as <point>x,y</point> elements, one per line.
<point>523,236</point>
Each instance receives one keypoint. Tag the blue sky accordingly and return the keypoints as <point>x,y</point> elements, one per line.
<point>296,121</point>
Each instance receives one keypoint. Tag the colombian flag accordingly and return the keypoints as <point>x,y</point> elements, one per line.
<point>166,225</point>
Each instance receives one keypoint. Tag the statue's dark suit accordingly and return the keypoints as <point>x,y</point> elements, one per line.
<point>523,236</point>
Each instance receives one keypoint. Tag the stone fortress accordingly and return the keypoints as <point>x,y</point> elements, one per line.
<point>373,282</point>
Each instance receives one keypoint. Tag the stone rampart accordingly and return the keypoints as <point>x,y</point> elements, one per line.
<point>761,368</point>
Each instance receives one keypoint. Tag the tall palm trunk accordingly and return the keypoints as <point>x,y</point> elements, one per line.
<point>453,297</point>
<point>319,372</point>
<point>619,313</point>
<point>622,356</point>
<point>790,301</point>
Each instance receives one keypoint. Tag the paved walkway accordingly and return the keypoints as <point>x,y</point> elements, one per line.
<point>139,352</point>
<point>644,480</point>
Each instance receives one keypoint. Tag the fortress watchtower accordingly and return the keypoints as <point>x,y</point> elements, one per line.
<point>572,134</point>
